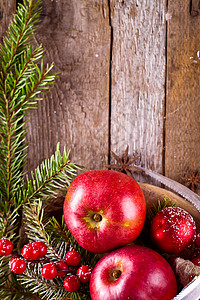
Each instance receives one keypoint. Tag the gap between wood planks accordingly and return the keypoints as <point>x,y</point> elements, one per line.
<point>110,81</point>
<point>165,100</point>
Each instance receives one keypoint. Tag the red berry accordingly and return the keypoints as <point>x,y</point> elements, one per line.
<point>30,252</point>
<point>73,258</point>
<point>41,247</point>
<point>84,273</point>
<point>49,271</point>
<point>198,240</point>
<point>71,283</point>
<point>17,265</point>
<point>61,267</point>
<point>6,246</point>
<point>191,277</point>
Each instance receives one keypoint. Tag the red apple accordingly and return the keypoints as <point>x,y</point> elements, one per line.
<point>172,230</point>
<point>104,209</point>
<point>133,272</point>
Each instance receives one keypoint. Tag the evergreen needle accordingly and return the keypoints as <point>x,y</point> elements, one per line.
<point>23,79</point>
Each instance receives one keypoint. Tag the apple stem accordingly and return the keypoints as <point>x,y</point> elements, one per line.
<point>97,217</point>
<point>116,274</point>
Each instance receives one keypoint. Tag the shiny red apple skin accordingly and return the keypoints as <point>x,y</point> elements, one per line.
<point>119,201</point>
<point>173,230</point>
<point>145,275</point>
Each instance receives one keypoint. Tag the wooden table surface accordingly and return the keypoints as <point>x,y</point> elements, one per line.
<point>129,75</point>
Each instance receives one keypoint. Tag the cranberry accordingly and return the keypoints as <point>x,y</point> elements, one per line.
<point>30,252</point>
<point>41,247</point>
<point>61,267</point>
<point>191,277</point>
<point>73,258</point>
<point>84,273</point>
<point>49,271</point>
<point>17,265</point>
<point>71,283</point>
<point>6,246</point>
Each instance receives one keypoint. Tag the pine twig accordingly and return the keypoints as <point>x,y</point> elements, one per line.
<point>51,176</point>
<point>21,83</point>
<point>155,208</point>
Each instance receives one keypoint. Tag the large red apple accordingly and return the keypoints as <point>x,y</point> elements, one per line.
<point>104,209</point>
<point>133,272</point>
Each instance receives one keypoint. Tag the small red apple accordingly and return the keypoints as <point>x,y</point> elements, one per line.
<point>173,230</point>
<point>133,272</point>
<point>104,209</point>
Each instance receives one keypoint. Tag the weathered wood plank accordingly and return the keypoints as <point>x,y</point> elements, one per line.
<point>183,98</point>
<point>76,35</point>
<point>7,8</point>
<point>138,79</point>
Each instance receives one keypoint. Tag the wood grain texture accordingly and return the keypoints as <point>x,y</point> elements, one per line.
<point>183,97</point>
<point>7,8</point>
<point>81,37</point>
<point>138,79</point>
<point>76,36</point>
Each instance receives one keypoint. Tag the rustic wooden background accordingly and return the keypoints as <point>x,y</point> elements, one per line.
<point>129,75</point>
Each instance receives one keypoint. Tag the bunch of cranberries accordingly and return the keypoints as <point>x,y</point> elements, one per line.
<point>36,252</point>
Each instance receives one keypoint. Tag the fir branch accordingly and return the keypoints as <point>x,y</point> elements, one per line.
<point>4,270</point>
<point>19,33</point>
<point>38,83</point>
<point>53,175</point>
<point>56,236</point>
<point>47,289</point>
<point>156,207</point>
<point>24,68</point>
<point>16,293</point>
<point>21,83</point>
<point>35,226</point>
<point>60,232</point>
<point>9,223</point>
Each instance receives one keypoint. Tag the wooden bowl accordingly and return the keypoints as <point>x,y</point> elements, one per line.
<point>153,194</point>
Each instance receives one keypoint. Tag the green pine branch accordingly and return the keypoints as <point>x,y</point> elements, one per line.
<point>46,289</point>
<point>156,207</point>
<point>22,81</point>
<point>35,226</point>
<point>60,233</point>
<point>14,291</point>
<point>19,34</point>
<point>56,236</point>
<point>9,223</point>
<point>53,175</point>
<point>38,227</point>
